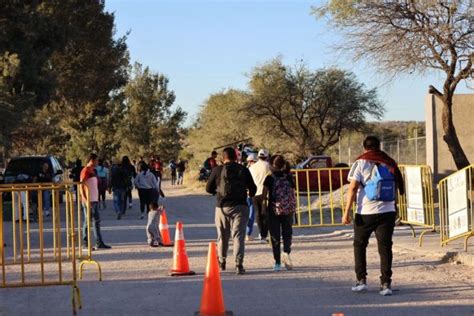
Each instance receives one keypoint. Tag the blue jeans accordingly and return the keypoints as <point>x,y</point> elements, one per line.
<point>251,216</point>
<point>95,220</point>
<point>119,200</point>
<point>46,200</point>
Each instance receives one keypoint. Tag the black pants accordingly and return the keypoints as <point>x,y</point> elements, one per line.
<point>146,197</point>
<point>383,225</point>
<point>261,215</point>
<point>280,226</point>
<point>127,196</point>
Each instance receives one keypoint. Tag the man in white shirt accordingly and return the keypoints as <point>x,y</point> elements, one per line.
<point>374,213</point>
<point>259,171</point>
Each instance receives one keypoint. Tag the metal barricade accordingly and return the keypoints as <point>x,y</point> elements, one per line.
<point>416,206</point>
<point>37,265</point>
<point>456,201</point>
<point>320,196</point>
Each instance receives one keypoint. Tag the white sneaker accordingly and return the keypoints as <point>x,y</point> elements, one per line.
<point>385,290</point>
<point>47,213</point>
<point>287,261</point>
<point>360,287</point>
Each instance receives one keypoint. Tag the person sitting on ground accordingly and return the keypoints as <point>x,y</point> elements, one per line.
<point>280,201</point>
<point>232,183</point>
<point>376,210</point>
<point>152,227</point>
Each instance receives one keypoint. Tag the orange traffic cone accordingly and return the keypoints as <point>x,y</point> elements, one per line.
<point>212,301</point>
<point>164,232</point>
<point>180,258</point>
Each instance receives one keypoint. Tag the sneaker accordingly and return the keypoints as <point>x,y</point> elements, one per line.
<point>47,214</point>
<point>287,261</point>
<point>104,206</point>
<point>153,243</point>
<point>102,246</point>
<point>239,270</point>
<point>277,267</point>
<point>119,216</point>
<point>142,217</point>
<point>130,205</point>
<point>222,265</point>
<point>263,240</point>
<point>361,286</point>
<point>248,238</point>
<point>385,289</point>
<point>85,248</point>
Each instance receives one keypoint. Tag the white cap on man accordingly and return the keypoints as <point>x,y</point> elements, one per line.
<point>263,153</point>
<point>251,157</point>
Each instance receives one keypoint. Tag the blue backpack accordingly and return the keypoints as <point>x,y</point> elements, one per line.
<point>381,186</point>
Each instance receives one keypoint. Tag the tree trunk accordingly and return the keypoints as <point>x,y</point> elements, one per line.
<point>450,136</point>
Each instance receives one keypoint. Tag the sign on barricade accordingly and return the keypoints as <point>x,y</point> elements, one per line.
<point>456,194</point>
<point>320,196</point>
<point>32,246</point>
<point>416,206</point>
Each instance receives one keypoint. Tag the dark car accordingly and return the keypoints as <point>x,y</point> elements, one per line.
<point>32,166</point>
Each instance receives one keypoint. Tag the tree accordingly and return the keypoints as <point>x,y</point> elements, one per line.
<point>310,108</point>
<point>69,67</point>
<point>150,125</point>
<point>412,36</point>
<point>221,120</point>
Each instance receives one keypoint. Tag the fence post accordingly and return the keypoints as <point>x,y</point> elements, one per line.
<point>398,150</point>
<point>416,145</point>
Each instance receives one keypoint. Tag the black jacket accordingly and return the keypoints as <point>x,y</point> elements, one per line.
<point>215,179</point>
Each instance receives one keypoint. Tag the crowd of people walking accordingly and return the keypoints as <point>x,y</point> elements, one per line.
<point>260,188</point>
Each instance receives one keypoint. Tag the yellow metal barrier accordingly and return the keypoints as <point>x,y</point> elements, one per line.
<point>320,196</point>
<point>456,212</point>
<point>416,206</point>
<point>20,269</point>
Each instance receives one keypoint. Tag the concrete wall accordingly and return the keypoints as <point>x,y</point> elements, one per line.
<point>437,153</point>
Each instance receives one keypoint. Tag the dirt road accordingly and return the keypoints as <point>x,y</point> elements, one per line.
<point>136,281</point>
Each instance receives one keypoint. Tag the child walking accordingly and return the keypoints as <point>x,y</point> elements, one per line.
<point>152,227</point>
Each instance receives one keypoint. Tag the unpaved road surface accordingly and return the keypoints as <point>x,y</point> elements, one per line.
<point>136,282</point>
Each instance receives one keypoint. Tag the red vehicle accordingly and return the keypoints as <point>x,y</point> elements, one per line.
<point>318,174</point>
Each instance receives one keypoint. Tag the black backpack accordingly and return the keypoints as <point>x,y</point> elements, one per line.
<point>119,178</point>
<point>232,184</point>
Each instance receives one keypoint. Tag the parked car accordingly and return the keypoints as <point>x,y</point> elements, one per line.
<point>32,166</point>
<point>322,174</point>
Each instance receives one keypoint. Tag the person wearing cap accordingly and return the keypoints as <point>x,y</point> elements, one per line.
<point>259,171</point>
<point>251,159</point>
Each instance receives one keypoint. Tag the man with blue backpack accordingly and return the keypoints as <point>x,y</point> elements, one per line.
<point>374,179</point>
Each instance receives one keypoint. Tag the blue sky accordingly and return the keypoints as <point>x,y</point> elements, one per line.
<point>206,46</point>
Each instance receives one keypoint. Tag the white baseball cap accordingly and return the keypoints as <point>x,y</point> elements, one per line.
<point>263,153</point>
<point>251,157</point>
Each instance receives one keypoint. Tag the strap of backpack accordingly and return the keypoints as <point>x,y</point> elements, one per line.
<point>371,173</point>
